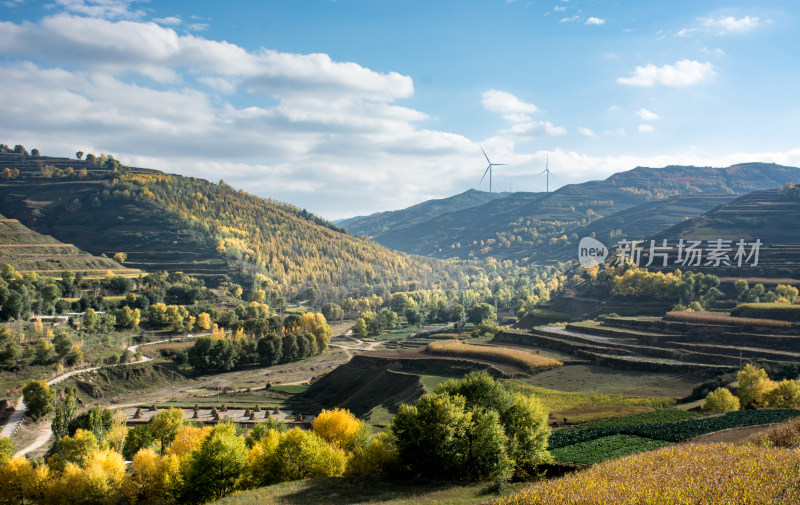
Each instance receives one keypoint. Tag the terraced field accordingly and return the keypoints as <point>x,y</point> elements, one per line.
<point>666,345</point>
<point>28,251</point>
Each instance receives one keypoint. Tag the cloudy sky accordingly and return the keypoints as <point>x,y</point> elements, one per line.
<point>349,107</point>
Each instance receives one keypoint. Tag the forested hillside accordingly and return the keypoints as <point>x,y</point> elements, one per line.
<point>530,225</point>
<point>213,232</point>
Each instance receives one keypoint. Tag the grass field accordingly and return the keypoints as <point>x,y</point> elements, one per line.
<point>366,491</point>
<point>554,400</point>
<point>604,380</point>
<point>290,388</point>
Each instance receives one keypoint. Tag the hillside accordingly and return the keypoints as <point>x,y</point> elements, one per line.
<point>28,251</point>
<point>520,224</point>
<point>206,230</point>
<point>380,222</point>
<point>770,216</point>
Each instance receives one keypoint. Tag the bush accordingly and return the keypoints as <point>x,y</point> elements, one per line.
<point>720,400</point>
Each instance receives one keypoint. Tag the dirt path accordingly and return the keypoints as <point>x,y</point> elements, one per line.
<point>731,435</point>
<point>44,435</point>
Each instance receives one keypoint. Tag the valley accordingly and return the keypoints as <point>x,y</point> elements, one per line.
<point>226,324</point>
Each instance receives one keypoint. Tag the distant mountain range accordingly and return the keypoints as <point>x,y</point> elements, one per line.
<point>542,226</point>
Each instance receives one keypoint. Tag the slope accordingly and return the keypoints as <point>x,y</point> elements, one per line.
<point>28,251</point>
<point>375,224</point>
<point>175,223</point>
<point>520,224</point>
<point>770,216</point>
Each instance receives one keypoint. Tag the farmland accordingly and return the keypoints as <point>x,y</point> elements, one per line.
<point>677,474</point>
<point>524,359</point>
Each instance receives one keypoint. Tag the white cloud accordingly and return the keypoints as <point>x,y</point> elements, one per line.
<point>646,128</point>
<point>571,19</point>
<point>683,73</point>
<point>713,52</point>
<point>647,115</point>
<point>586,132</point>
<point>684,32</point>
<point>730,24</point>
<point>508,105</point>
<point>595,21</point>
<point>110,9</point>
<point>533,130</point>
<point>619,132</point>
<point>170,21</point>
<point>559,8</point>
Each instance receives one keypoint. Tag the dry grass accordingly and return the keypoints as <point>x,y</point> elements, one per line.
<point>524,359</point>
<point>681,474</point>
<point>713,317</point>
<point>784,435</point>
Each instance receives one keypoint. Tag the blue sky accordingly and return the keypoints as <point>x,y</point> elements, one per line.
<point>349,107</point>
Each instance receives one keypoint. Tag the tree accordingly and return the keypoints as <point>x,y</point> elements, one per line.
<point>360,328</point>
<point>481,312</point>
<point>90,319</point>
<point>440,438</point>
<point>49,293</point>
<point>741,286</point>
<point>340,428</point>
<point>457,312</point>
<point>414,317</point>
<point>203,321</point>
<point>79,155</point>
<point>269,350</point>
<point>165,425</point>
<point>6,450</point>
<point>332,312</point>
<point>293,455</point>
<point>786,395</point>
<point>38,398</point>
<point>64,415</point>
<point>138,438</point>
<point>35,152</point>
<point>120,257</point>
<point>215,470</point>
<point>44,351</point>
<point>787,291</point>
<point>754,384</point>
<point>62,344</point>
<point>720,400</point>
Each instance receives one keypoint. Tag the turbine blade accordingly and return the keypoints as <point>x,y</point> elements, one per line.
<point>543,171</point>
<point>484,155</point>
<point>484,173</point>
<point>498,164</point>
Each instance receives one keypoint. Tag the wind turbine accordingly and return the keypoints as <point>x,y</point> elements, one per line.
<point>489,169</point>
<point>547,171</point>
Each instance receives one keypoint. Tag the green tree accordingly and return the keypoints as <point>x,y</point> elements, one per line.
<point>91,319</point>
<point>786,395</point>
<point>741,286</point>
<point>138,438</point>
<point>38,398</point>
<point>414,317</point>
<point>360,328</point>
<point>482,312</point>
<point>49,293</point>
<point>215,470</point>
<point>754,384</point>
<point>79,155</point>
<point>44,351</point>
<point>64,414</point>
<point>62,344</point>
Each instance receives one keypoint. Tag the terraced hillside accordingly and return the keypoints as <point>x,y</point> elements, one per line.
<point>28,251</point>
<point>667,344</point>
<point>206,230</point>
<point>770,216</point>
<point>530,225</point>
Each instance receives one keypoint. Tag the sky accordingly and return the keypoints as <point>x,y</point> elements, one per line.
<point>349,107</point>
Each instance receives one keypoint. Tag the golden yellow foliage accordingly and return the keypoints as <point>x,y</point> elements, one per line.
<point>152,479</point>
<point>338,427</point>
<point>98,482</point>
<point>187,440</point>
<point>679,474</point>
<point>20,482</point>
<point>203,321</point>
<point>720,400</point>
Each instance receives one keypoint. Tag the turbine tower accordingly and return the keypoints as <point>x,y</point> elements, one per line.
<point>489,169</point>
<point>547,171</point>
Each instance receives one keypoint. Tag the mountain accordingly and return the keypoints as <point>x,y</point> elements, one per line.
<point>770,216</point>
<point>375,224</point>
<point>28,251</point>
<point>527,225</point>
<point>207,230</point>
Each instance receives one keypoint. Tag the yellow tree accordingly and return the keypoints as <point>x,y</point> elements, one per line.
<point>340,428</point>
<point>720,400</point>
<point>754,384</point>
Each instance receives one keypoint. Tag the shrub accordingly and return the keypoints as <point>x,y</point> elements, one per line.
<point>720,400</point>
